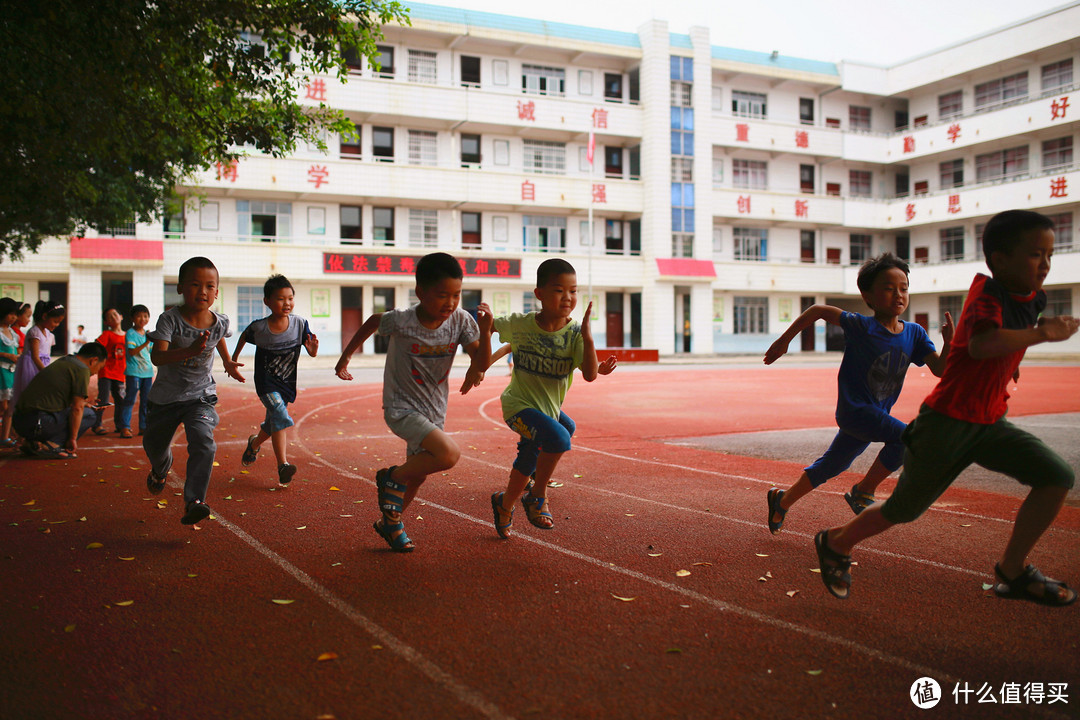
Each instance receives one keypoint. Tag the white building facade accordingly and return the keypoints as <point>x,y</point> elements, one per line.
<point>727,189</point>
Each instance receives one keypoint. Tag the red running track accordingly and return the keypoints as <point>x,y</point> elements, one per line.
<point>590,620</point>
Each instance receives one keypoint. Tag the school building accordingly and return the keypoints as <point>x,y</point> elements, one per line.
<point>705,194</point>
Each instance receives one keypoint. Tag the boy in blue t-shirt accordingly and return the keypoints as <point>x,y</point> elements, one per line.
<point>139,371</point>
<point>277,340</point>
<point>877,352</point>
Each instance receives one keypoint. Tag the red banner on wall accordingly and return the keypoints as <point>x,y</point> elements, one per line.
<point>373,264</point>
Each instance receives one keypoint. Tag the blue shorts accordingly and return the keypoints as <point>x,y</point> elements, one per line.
<point>853,438</point>
<point>539,432</point>
<point>277,413</point>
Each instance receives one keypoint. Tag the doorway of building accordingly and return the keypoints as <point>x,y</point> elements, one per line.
<point>57,293</point>
<point>117,291</point>
<point>614,304</point>
<point>683,334</point>
<point>382,300</point>
<point>807,335</point>
<point>352,314</point>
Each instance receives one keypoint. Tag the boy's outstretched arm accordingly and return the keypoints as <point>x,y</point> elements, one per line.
<point>995,341</point>
<point>936,361</point>
<point>479,350</point>
<point>499,354</point>
<point>311,345</point>
<point>590,366</point>
<point>828,313</point>
<point>232,368</point>
<point>366,330</point>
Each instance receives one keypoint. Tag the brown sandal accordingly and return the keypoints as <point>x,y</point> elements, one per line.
<point>126,433</point>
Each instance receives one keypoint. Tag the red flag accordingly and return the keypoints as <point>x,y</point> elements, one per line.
<point>592,147</point>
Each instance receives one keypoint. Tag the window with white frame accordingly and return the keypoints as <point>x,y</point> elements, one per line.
<point>750,174</point>
<point>500,72</point>
<point>750,244</point>
<point>750,315</point>
<point>859,183</point>
<point>682,245</point>
<point>528,302</point>
<point>545,157</point>
<point>717,97</point>
<point>1058,302</point>
<point>1057,153</point>
<point>120,230</point>
<point>262,220</point>
<point>1001,164</point>
<point>952,304</point>
<point>952,173</point>
<point>952,244</point>
<point>1057,76</point>
<point>980,228</point>
<point>209,214</point>
<point>858,117</point>
<point>585,233</point>
<point>1063,231</point>
<point>717,167</point>
<point>950,104</point>
<point>717,238</point>
<point>423,228</point>
<point>859,248</point>
<point>1001,91</point>
<point>423,148</point>
<point>382,226</point>
<point>584,82</point>
<point>682,169</point>
<point>681,93</point>
<point>540,80</point>
<point>613,237</point>
<point>749,104</point>
<point>502,152</point>
<point>422,66</point>
<point>544,233</point>
<point>249,304</point>
<point>173,223</point>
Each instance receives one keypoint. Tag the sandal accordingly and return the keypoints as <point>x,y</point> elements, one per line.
<point>835,568</point>
<point>397,543</point>
<point>1019,588</point>
<point>99,430</point>
<point>536,510</point>
<point>126,433</point>
<point>503,528</point>
<point>774,509</point>
<point>390,502</point>
<point>859,500</point>
<point>250,453</point>
<point>8,444</point>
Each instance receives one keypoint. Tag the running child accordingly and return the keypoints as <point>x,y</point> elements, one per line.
<point>138,371</point>
<point>112,378</point>
<point>962,421</point>
<point>423,342</point>
<point>877,351</point>
<point>185,392</point>
<point>277,340</point>
<point>9,355</point>
<point>547,346</point>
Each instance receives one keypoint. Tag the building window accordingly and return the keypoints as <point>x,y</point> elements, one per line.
<point>584,82</point>
<point>717,167</point>
<point>749,104</point>
<point>952,304</point>
<point>540,80</point>
<point>681,94</point>
<point>470,71</point>
<point>952,245</point>
<point>682,131</point>
<point>544,234</point>
<point>351,227</point>
<point>544,157</point>
<point>382,144</point>
<point>1063,231</point>
<point>858,117</point>
<point>423,228</point>
<point>121,230</point>
<point>382,221</point>
<point>1058,303</point>
<point>1057,153</point>
<point>750,244</point>
<point>470,150</point>
<point>613,167</point>
<point>806,178</point>
<point>173,224</point>
<point>470,230</point>
<point>423,149</point>
<point>807,246</point>
<point>249,304</point>
<point>350,145</point>
<point>806,111</point>
<point>265,221</point>
<point>859,183</point>
<point>751,315</point>
<point>422,67</point>
<point>952,173</point>
<point>859,248</point>
<point>717,238</point>
<point>950,105</point>
<point>682,169</point>
<point>502,152</point>
<point>989,95</point>
<point>1001,164</point>
<point>500,72</point>
<point>385,61</point>
<point>613,237</point>
<point>682,245</point>
<point>750,174</point>
<point>1057,76</point>
<point>352,59</point>
<point>613,87</point>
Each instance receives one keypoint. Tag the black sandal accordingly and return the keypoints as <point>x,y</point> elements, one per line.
<point>775,495</point>
<point>1019,588</point>
<point>838,573</point>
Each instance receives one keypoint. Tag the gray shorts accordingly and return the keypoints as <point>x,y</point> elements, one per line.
<point>412,427</point>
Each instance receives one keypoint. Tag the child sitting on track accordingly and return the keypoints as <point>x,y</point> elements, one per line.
<point>877,351</point>
<point>962,421</point>
<point>277,340</point>
<point>547,346</point>
<point>423,342</point>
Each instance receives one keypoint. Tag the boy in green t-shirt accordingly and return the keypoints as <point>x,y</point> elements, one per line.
<point>547,346</point>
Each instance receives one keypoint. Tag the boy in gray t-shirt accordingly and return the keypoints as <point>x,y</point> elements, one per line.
<point>184,343</point>
<point>423,342</point>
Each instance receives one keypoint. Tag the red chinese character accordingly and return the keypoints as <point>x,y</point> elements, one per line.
<point>909,211</point>
<point>228,172</point>
<point>909,144</point>
<point>408,265</point>
<point>316,89</point>
<point>334,263</point>
<point>802,138</point>
<point>802,208</point>
<point>526,110</point>
<point>1058,108</point>
<point>1059,187</point>
<point>742,132</point>
<point>744,203</point>
<point>502,267</point>
<point>359,263</point>
<point>954,204</point>
<point>528,191</point>
<point>481,267</point>
<point>317,174</point>
<point>599,118</point>
<point>599,193</point>
<point>384,264</point>
<point>953,131</point>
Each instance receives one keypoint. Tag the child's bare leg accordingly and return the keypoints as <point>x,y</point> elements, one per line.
<point>516,486</point>
<point>260,438</point>
<point>545,468</point>
<point>793,494</point>
<point>440,453</point>
<point>280,443</point>
<point>1032,519</point>
<point>868,523</point>
<point>874,476</point>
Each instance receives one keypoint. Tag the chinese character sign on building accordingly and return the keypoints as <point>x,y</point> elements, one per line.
<point>375,264</point>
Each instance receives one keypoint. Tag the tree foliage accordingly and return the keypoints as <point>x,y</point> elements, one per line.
<point>108,105</point>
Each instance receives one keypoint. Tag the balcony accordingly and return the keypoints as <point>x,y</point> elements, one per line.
<point>774,137</point>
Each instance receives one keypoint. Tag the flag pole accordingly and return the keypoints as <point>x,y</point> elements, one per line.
<point>592,232</point>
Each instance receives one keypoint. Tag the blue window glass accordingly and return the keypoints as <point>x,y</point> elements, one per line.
<point>676,118</point>
<point>676,67</point>
<point>688,70</point>
<point>676,142</point>
<point>688,144</point>
<point>687,118</point>
<point>676,220</point>
<point>676,194</point>
<point>687,195</point>
<point>688,220</point>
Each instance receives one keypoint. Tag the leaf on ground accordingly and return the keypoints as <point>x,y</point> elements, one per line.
<point>109,451</point>
<point>376,647</point>
<point>768,574</point>
<point>217,464</point>
<point>277,601</point>
<point>302,527</point>
<point>552,483</point>
<point>673,651</point>
<point>623,599</point>
<point>336,489</point>
<point>124,603</point>
<point>792,593</point>
<point>629,514</point>
<point>987,586</point>
<point>682,573</point>
<point>245,472</point>
<point>817,570</point>
<point>29,503</point>
<point>82,519</point>
<point>965,524</point>
<point>228,497</point>
<point>125,558</point>
<point>94,546</point>
<point>763,579</point>
<point>326,656</point>
<point>192,575</point>
<point>419,517</point>
<point>706,564</point>
<point>761,555</point>
<point>132,467</point>
<point>655,554</point>
<point>814,672</point>
<point>344,516</point>
<point>69,628</point>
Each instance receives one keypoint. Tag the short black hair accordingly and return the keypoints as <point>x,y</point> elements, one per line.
<point>191,265</point>
<point>8,306</point>
<point>552,267</point>
<point>93,350</point>
<point>877,265</point>
<point>275,283</point>
<point>1007,229</point>
<point>434,267</point>
<point>48,309</point>
<point>136,309</point>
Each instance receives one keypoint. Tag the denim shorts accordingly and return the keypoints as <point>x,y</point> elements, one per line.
<point>277,413</point>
